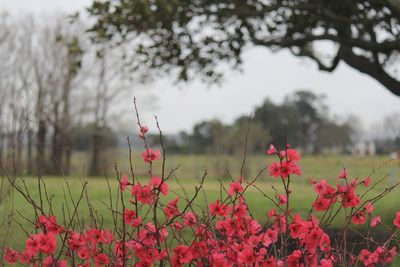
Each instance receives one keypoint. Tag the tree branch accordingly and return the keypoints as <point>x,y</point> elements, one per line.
<point>321,66</point>
<point>372,69</point>
<point>286,42</point>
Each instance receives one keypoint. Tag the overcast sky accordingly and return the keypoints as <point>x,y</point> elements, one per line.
<point>264,75</point>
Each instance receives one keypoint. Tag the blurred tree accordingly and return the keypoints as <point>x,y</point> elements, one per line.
<point>333,137</point>
<point>257,140</point>
<point>208,136</point>
<point>301,112</point>
<point>108,84</point>
<point>308,115</point>
<point>392,127</point>
<point>391,124</point>
<point>304,115</point>
<point>53,80</point>
<point>56,58</point>
<point>191,37</point>
<point>81,137</point>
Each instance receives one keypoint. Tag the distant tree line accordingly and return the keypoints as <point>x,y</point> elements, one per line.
<point>386,134</point>
<point>302,119</point>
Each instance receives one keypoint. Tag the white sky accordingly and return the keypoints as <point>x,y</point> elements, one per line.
<point>265,75</point>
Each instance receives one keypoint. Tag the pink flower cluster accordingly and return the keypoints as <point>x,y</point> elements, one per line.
<point>225,234</point>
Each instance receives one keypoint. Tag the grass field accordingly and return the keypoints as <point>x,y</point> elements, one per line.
<point>193,166</point>
<point>191,169</point>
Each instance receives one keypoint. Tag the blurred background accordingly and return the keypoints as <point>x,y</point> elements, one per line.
<point>70,69</point>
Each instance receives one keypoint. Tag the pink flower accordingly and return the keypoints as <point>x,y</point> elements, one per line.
<point>364,256</point>
<point>375,221</point>
<point>101,260</point>
<point>124,182</point>
<point>50,223</point>
<point>26,257</point>
<point>219,209</point>
<point>367,181</point>
<point>129,216</point>
<point>142,131</point>
<point>297,227</point>
<point>272,235</point>
<point>106,237</point>
<point>32,244</point>
<point>10,256</point>
<point>270,262</point>
<point>313,181</point>
<point>322,204</point>
<point>326,263</point>
<point>274,169</point>
<point>320,186</point>
<point>235,188</point>
<point>282,199</point>
<point>181,255</point>
<point>161,185</point>
<point>294,259</point>
<point>287,168</point>
<point>283,169</point>
<point>150,155</point>
<point>292,155</point>
<point>48,262</point>
<point>349,197</point>
<point>84,253</point>
<point>358,217</point>
<point>171,209</point>
<point>246,257</point>
<point>47,243</point>
<point>369,207</point>
<point>343,174</point>
<point>271,150</point>
<point>75,240</point>
<point>144,194</point>
<point>396,221</point>
<point>219,260</point>
<point>313,238</point>
<point>190,219</point>
<point>93,236</point>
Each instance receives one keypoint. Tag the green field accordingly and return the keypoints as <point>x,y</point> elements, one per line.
<point>193,166</point>
<point>189,173</point>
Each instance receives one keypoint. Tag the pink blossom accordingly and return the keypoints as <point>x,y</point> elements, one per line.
<point>124,182</point>
<point>150,155</point>
<point>271,150</point>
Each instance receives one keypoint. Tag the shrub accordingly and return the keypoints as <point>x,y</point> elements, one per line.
<point>148,231</point>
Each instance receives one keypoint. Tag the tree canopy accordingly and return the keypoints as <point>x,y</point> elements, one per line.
<point>192,37</point>
<point>303,118</point>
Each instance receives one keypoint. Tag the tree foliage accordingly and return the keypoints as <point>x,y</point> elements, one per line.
<point>192,37</point>
<point>302,118</point>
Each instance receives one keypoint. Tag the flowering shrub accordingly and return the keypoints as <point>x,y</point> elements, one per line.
<point>148,231</point>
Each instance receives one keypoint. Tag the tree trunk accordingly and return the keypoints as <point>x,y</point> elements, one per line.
<point>67,156</point>
<point>40,145</point>
<point>1,148</point>
<point>56,145</point>
<point>42,126</point>
<point>66,122</point>
<point>12,153</point>
<point>29,157</point>
<point>18,147</point>
<point>55,158</point>
<point>95,169</point>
